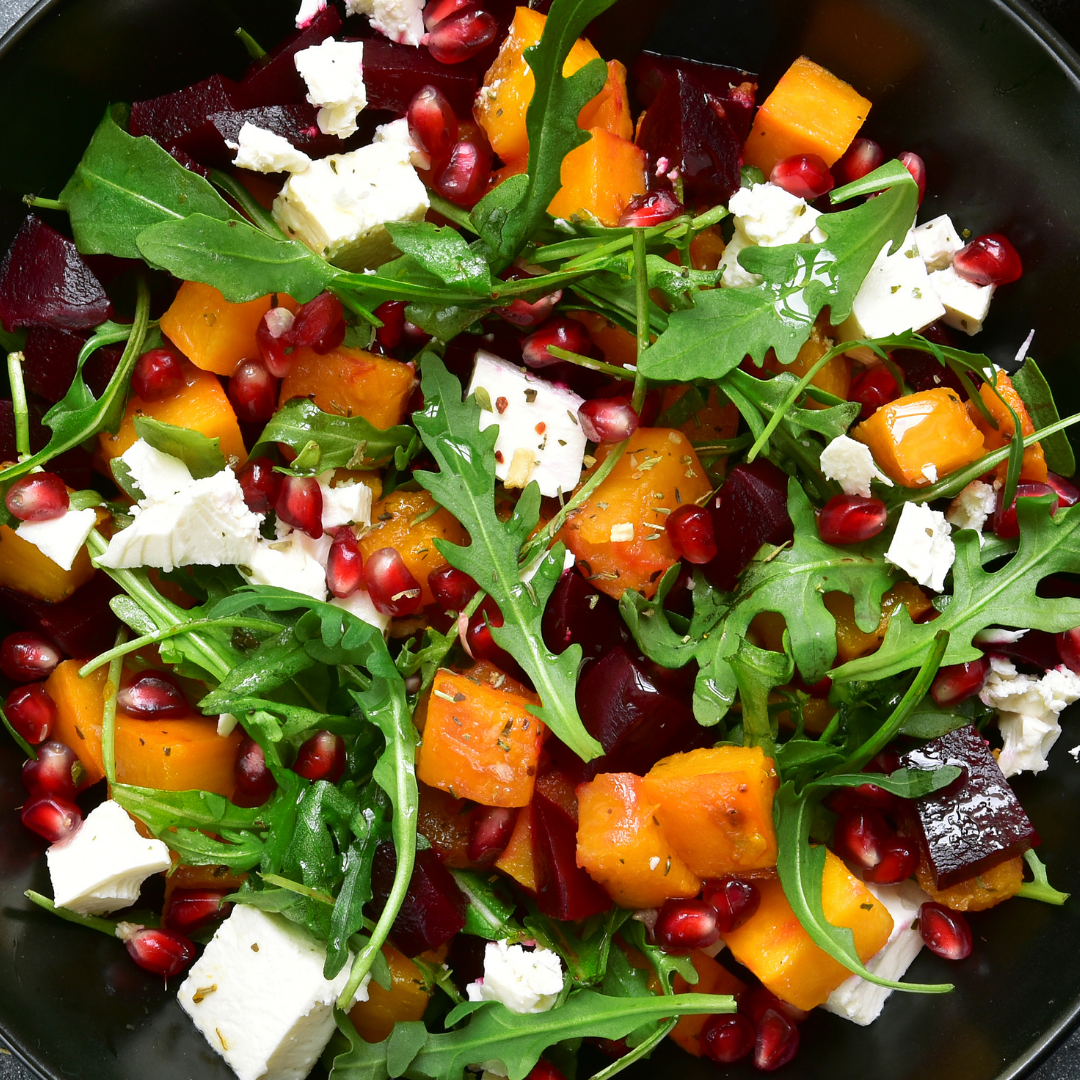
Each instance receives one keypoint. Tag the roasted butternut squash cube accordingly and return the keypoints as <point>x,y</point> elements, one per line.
<point>621,845</point>
<point>610,109</point>
<point>921,437</point>
<point>713,978</point>
<point>775,947</point>
<point>516,861</point>
<point>1034,466</point>
<point>599,178</point>
<point>834,378</point>
<point>406,999</point>
<point>715,807</point>
<point>986,890</point>
<point>23,566</point>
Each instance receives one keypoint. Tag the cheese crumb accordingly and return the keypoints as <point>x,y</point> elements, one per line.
<point>399,20</point>
<point>260,150</point>
<point>333,72</point>
<point>922,545</point>
<point>524,981</point>
<point>307,12</point>
<point>622,533</point>
<point>60,539</point>
<point>851,465</point>
<point>972,507</point>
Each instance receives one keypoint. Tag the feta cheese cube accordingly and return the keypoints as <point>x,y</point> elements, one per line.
<point>524,981</point>
<point>347,504</point>
<point>333,72</point>
<point>258,996</point>
<point>293,561</point>
<point>360,605</point>
<point>539,435</point>
<point>396,133</point>
<point>61,538</point>
<point>400,20</point>
<point>307,12</point>
<point>966,304</point>
<point>267,152</point>
<point>770,216</point>
<point>156,475</point>
<point>102,865</point>
<point>938,242</point>
<point>972,507</point>
<point>922,545</point>
<point>340,206</point>
<point>851,465</point>
<point>734,275</point>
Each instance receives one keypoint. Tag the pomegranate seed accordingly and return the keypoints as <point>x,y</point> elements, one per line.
<point>162,952</point>
<point>1069,649</point>
<point>38,497</point>
<point>560,332</point>
<point>958,682</point>
<point>438,10</point>
<point>51,817</point>
<point>851,519</point>
<point>757,1001</point>
<point>608,420</point>
<point>1006,524</point>
<point>777,1041</point>
<point>872,389</point>
<point>31,712</point>
<point>804,175</point>
<point>682,925</point>
<point>525,314</point>
<point>153,696</point>
<point>733,900</point>
<point>344,564</point>
<point>988,260</point>
<point>157,374</point>
<point>917,167</point>
<point>652,208</point>
<point>899,858</point>
<point>320,324</point>
<point>690,530</point>
<point>393,589</point>
<point>260,484</point>
<point>274,337</point>
<point>254,781</point>
<point>25,657</point>
<point>432,123</point>
<point>461,35</point>
<point>888,761</point>
<point>321,757</point>
<point>253,392</point>
<point>860,835</point>
<point>190,909</point>
<point>391,313</point>
<point>1067,493</point>
<point>727,1038</point>
<point>55,771</point>
<point>480,642</point>
<point>489,832</point>
<point>464,177</point>
<point>863,156</point>
<point>946,932</point>
<point>452,588</point>
<point>299,504</point>
<point>544,1070</point>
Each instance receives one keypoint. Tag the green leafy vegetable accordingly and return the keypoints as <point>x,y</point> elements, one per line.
<point>1032,386</point>
<point>1040,888</point>
<point>202,455</point>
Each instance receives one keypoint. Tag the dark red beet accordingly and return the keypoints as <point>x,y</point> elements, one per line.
<point>83,625</point>
<point>750,510</point>
<point>434,907</point>
<point>169,118</point>
<point>51,357</point>
<point>44,282</point>
<point>73,466</point>
<point>579,614</point>
<point>1036,649</point>
<point>273,78</point>
<point>393,74</point>
<point>977,821</point>
<point>923,372</point>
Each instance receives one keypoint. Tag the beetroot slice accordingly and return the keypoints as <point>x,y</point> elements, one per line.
<point>577,614</point>
<point>83,625</point>
<point>74,466</point>
<point>44,282</point>
<point>51,357</point>
<point>393,74</point>
<point>273,79</point>
<point>169,117</point>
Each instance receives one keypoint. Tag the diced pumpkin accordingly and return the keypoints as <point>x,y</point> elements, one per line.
<point>371,478</point>
<point>26,568</point>
<point>79,707</point>
<point>810,111</point>
<point>1034,466</point>
<point>983,891</point>
<point>834,378</point>
<point>616,343</point>
<point>851,640</point>
<point>621,845</point>
<point>200,404</point>
<point>444,821</point>
<point>599,178</point>
<point>610,109</point>
<point>713,421</point>
<point>517,858</point>
<point>410,522</point>
<point>618,534</point>
<point>351,382</point>
<point>405,1001</point>
<point>713,978</point>
<point>923,435</point>
<point>485,673</point>
<point>479,743</point>
<point>774,946</point>
<point>715,807</point>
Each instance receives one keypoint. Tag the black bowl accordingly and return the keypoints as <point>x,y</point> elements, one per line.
<point>974,87</point>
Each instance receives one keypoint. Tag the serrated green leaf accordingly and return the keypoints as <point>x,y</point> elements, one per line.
<point>201,454</point>
<point>1035,391</point>
<point>490,910</point>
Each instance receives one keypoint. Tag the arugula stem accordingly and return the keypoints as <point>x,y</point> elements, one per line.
<point>92,922</point>
<point>108,715</point>
<point>451,211</point>
<point>297,887</point>
<point>23,745</point>
<point>254,49</point>
<point>356,307</point>
<point>260,218</point>
<point>613,370</point>
<point>44,204</point>
<point>19,404</point>
<point>641,291</point>
<point>643,1049</point>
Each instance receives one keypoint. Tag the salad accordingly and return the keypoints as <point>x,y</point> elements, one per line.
<point>524,551</point>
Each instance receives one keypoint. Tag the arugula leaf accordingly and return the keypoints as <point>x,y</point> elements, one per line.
<point>202,455</point>
<point>490,912</point>
<point>443,253</point>
<point>1035,391</point>
<point>666,965</point>
<point>585,951</point>
<point>1040,888</point>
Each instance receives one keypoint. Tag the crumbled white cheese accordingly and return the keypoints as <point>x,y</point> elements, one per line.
<point>922,545</point>
<point>998,635</point>
<point>360,605</point>
<point>734,275</point>
<point>292,561</point>
<point>1028,711</point>
<point>259,997</point>
<point>102,865</point>
<point>265,151</point>
<point>851,465</point>
<point>307,12</point>
<point>334,74</point>
<point>400,20</point>
<point>622,533</point>
<point>61,538</point>
<point>1022,352</point>
<point>770,216</point>
<point>965,304</point>
<point>347,504</point>
<point>973,507</point>
<point>226,724</point>
<point>938,242</point>
<point>156,475</point>
<point>396,133</point>
<point>929,472</point>
<point>524,981</point>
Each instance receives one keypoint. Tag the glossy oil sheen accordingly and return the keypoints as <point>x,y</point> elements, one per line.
<point>959,83</point>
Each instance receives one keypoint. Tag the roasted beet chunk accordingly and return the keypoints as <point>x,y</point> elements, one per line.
<point>83,625</point>
<point>977,821</point>
<point>273,78</point>
<point>577,614</point>
<point>393,74</point>
<point>169,117</point>
<point>44,282</point>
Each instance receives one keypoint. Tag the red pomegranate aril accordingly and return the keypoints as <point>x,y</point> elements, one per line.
<point>31,712</point>
<point>452,588</point>
<point>899,859</point>
<point>161,952</point>
<point>863,156</point>
<point>319,324</point>
<point>1069,649</point>
<point>1005,522</point>
<point>851,519</point>
<point>777,1041</point>
<point>52,817</point>
<point>544,1070</point>
<point>757,1001</point>
<point>690,530</point>
<point>321,757</point>
<point>562,333</point>
<point>253,392</point>
<point>432,123</point>
<point>260,484</point>
<point>652,208</point>
<point>464,176</point>
<point>489,832</point>
<point>393,589</point>
<point>191,909</point>
<point>438,10</point>
<point>608,420</point>
<point>344,564</point>
<point>988,260</point>
<point>872,389</point>
<point>26,657</point>
<point>255,782</point>
<point>153,696</point>
<point>480,642</point>
<point>157,374</point>
<point>38,497</point>
<point>917,167</point>
<point>526,314</point>
<point>299,504</point>
<point>1068,494</point>
<point>945,932</point>
<point>274,337</point>
<point>391,313</point>
<point>683,925</point>
<point>805,176</point>
<point>958,682</point>
<point>54,771</point>
<point>860,836</point>
<point>733,900</point>
<point>727,1038</point>
<point>461,35</point>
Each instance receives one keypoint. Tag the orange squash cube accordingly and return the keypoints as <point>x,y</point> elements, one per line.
<point>599,178</point>
<point>24,567</point>
<point>923,435</point>
<point>516,861</point>
<point>715,807</point>
<point>986,890</point>
<point>610,109</point>
<point>713,978</point>
<point>1034,465</point>
<point>406,999</point>
<point>621,845</point>
<point>444,820</point>
<point>479,743</point>
<point>810,111</point>
<point>775,947</point>
<point>834,378</point>
<point>616,343</point>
